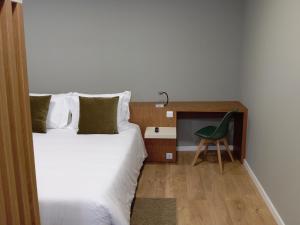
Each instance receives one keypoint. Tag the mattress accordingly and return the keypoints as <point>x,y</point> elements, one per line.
<point>87,179</point>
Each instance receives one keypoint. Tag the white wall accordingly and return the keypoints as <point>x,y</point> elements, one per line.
<point>270,88</point>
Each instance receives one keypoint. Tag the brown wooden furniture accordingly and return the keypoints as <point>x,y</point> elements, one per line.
<point>18,194</point>
<point>145,114</point>
<point>160,144</point>
<point>157,150</point>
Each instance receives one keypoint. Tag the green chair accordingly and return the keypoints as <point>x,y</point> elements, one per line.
<point>214,135</point>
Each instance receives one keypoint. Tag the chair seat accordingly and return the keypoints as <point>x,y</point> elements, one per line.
<point>206,132</point>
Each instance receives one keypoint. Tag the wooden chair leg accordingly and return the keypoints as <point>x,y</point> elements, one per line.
<point>199,150</point>
<point>227,149</point>
<point>205,150</point>
<point>219,156</point>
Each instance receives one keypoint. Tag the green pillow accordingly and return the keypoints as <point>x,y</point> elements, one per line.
<point>39,106</point>
<point>98,115</point>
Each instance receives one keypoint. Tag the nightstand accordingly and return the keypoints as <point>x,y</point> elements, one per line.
<point>161,146</point>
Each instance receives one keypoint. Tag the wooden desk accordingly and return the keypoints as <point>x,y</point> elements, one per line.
<point>145,114</point>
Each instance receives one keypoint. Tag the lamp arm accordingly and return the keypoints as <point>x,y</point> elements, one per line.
<point>166,94</point>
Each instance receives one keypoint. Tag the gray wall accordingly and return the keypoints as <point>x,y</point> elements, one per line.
<point>270,87</point>
<point>190,48</point>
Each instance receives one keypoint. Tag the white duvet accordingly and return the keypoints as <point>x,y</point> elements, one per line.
<point>87,179</point>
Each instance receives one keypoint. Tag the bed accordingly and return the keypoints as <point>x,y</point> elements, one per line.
<point>87,179</point>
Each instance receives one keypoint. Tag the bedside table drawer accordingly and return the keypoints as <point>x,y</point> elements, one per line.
<point>157,150</point>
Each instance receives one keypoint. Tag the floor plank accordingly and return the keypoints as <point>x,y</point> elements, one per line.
<point>204,197</point>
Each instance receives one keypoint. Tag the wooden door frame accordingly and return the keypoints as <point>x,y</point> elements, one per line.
<point>18,197</point>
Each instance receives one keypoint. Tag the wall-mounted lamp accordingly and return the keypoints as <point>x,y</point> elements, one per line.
<point>164,103</point>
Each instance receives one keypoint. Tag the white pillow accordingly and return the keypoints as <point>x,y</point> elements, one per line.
<point>58,113</point>
<point>123,113</point>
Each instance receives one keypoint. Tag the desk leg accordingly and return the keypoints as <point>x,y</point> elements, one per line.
<point>244,136</point>
<point>240,134</point>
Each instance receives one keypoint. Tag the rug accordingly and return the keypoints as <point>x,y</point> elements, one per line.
<point>154,211</point>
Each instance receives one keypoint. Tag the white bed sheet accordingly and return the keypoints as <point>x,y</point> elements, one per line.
<point>87,179</point>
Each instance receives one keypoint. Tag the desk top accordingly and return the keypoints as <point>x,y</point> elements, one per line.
<point>198,106</point>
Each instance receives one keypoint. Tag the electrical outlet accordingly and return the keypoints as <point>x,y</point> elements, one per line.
<point>169,114</point>
<point>169,155</point>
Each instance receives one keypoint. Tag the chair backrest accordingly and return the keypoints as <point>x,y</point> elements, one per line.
<point>222,129</point>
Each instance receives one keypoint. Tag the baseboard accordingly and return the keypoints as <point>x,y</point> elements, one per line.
<point>194,148</point>
<point>264,194</point>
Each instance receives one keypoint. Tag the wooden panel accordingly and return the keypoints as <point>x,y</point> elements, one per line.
<point>237,135</point>
<point>244,135</point>
<point>14,110</point>
<point>7,160</point>
<point>189,115</point>
<point>22,82</point>
<point>207,106</point>
<point>157,149</point>
<point>17,175</point>
<point>146,114</point>
<point>9,207</point>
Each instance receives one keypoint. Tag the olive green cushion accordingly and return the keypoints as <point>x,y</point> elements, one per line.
<point>39,106</point>
<point>98,115</point>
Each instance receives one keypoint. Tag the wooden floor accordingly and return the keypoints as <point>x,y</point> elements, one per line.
<point>204,197</point>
